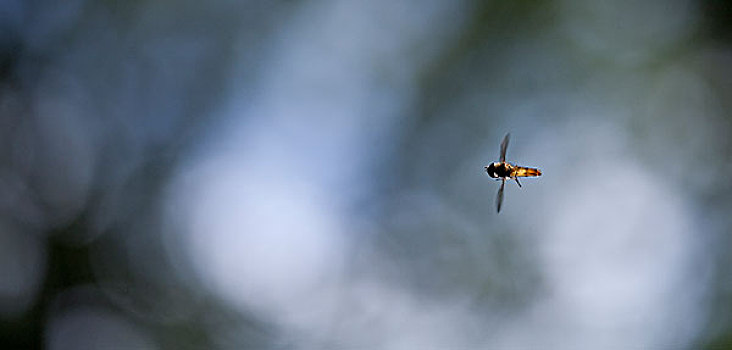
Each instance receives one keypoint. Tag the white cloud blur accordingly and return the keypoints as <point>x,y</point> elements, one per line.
<point>264,242</point>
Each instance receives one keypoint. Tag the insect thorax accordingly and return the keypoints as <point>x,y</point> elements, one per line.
<point>498,169</point>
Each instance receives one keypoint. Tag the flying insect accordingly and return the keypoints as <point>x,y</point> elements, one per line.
<point>503,171</point>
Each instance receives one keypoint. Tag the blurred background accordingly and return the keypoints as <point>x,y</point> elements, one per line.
<point>309,174</point>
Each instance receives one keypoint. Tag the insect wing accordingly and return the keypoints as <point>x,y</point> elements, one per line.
<point>499,197</point>
<point>504,146</point>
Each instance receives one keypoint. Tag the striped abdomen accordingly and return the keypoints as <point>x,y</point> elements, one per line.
<point>519,171</point>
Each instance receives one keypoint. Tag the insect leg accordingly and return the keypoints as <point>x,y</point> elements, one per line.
<point>517,181</point>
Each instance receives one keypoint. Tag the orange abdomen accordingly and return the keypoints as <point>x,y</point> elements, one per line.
<point>525,172</point>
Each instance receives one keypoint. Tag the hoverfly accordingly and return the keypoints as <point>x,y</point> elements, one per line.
<point>503,170</point>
